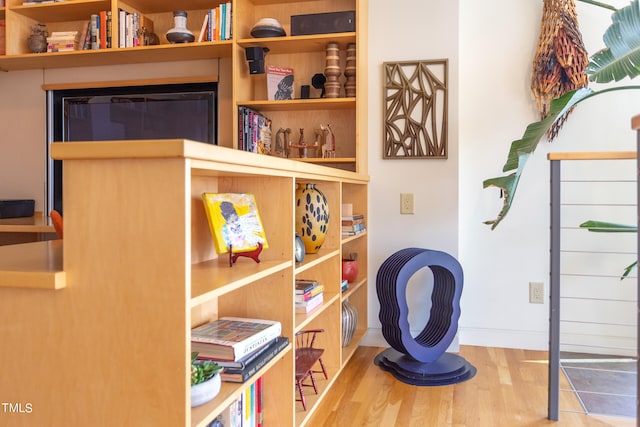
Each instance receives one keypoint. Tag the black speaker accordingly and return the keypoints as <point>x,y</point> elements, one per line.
<point>255,59</point>
<point>323,23</point>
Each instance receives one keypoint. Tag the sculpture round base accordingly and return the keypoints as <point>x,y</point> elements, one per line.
<point>447,369</point>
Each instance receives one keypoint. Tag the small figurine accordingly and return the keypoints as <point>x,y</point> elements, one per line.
<point>282,142</point>
<point>37,40</point>
<point>329,147</point>
<point>302,145</point>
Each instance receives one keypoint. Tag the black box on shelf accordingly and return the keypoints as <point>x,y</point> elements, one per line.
<point>323,23</point>
<point>16,208</point>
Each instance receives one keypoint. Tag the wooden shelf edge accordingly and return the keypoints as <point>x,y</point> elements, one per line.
<point>35,265</point>
<point>214,278</point>
<point>300,104</point>
<point>353,287</point>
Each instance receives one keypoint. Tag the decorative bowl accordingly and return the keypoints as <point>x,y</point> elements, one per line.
<point>205,391</point>
<point>267,27</point>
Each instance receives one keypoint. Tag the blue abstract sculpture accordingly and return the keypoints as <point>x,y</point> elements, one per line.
<point>421,360</point>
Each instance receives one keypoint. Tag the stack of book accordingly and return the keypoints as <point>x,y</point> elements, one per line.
<point>353,224</point>
<point>254,131</point>
<point>309,295</point>
<point>61,41</point>
<point>242,346</point>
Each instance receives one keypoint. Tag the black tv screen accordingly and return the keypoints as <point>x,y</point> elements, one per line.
<point>173,111</point>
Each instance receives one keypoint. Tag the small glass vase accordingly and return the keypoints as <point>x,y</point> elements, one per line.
<point>180,33</point>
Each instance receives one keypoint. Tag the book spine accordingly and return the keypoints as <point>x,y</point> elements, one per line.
<point>95,22</point>
<point>259,397</point>
<point>122,18</point>
<point>242,375</point>
<point>103,29</point>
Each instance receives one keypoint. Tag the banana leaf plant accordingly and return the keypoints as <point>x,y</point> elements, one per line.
<point>610,227</point>
<point>620,59</point>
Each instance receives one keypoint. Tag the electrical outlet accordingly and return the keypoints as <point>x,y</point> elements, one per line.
<point>536,292</point>
<point>406,203</point>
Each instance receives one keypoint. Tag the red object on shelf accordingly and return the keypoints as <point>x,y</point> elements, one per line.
<point>349,270</point>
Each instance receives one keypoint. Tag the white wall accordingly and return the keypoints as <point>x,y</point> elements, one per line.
<point>497,43</point>
<point>421,30</point>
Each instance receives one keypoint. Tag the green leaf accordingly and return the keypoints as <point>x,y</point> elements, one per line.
<point>621,57</point>
<point>608,227</point>
<point>522,148</point>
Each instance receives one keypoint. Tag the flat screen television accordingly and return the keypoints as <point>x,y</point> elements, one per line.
<point>171,111</point>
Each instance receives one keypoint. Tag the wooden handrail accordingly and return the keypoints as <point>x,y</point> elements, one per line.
<point>593,155</point>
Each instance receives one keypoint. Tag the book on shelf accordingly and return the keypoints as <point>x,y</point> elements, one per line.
<point>311,304</point>
<point>306,296</point>
<point>241,410</point>
<point>254,131</point>
<point>244,361</point>
<point>234,222</point>
<point>347,209</point>
<point>279,83</point>
<point>305,285</point>
<point>243,375</point>
<point>231,338</point>
<point>355,228</point>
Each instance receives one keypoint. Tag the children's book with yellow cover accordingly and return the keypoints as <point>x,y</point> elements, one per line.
<point>234,222</point>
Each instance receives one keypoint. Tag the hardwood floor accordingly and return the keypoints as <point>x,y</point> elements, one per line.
<point>509,390</point>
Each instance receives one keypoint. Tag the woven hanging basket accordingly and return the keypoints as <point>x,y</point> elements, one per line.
<point>560,59</point>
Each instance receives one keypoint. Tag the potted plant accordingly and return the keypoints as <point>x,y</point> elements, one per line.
<point>205,380</point>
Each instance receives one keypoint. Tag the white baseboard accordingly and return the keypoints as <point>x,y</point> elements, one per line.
<point>504,338</point>
<point>527,340</point>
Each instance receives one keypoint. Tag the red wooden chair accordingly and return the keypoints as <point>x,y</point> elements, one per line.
<point>306,358</point>
<point>56,219</point>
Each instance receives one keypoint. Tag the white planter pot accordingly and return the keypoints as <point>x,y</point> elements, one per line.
<point>204,392</point>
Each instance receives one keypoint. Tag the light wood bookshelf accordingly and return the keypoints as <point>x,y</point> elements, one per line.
<point>138,270</point>
<point>101,321</point>
<point>304,53</point>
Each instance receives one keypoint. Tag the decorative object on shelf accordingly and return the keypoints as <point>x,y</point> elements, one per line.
<point>279,83</point>
<point>37,40</point>
<point>349,269</point>
<point>350,71</point>
<point>421,360</point>
<point>205,380</point>
<point>317,81</point>
<point>180,33</point>
<point>282,142</point>
<point>312,216</point>
<point>298,248</point>
<point>329,145</point>
<point>307,356</point>
<point>349,322</point>
<point>305,92</point>
<point>235,224</point>
<point>416,129</point>
<point>302,146</point>
<point>268,27</point>
<point>332,71</point>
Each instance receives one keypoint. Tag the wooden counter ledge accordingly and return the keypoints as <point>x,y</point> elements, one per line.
<point>35,265</point>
